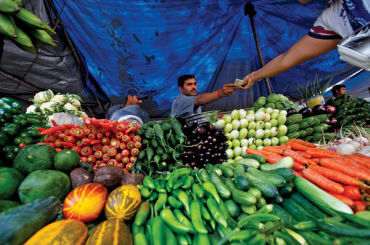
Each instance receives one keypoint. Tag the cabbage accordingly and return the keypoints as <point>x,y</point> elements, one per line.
<point>250,117</point>
<point>227,118</point>
<point>243,123</point>
<point>260,133</point>
<point>251,141</point>
<point>228,128</point>
<point>242,113</point>
<point>261,101</point>
<point>283,112</point>
<point>272,98</point>
<point>234,134</point>
<point>260,147</point>
<point>42,97</point>
<point>243,133</point>
<point>237,151</point>
<point>49,108</point>
<point>266,142</point>
<point>82,114</point>
<point>274,141</point>
<point>259,142</point>
<point>236,124</point>
<point>267,133</point>
<point>235,143</point>
<point>260,124</point>
<point>59,98</point>
<point>269,110</point>
<point>251,133</point>
<point>75,102</point>
<point>253,146</point>
<point>274,131</point>
<point>268,125</point>
<point>281,119</point>
<point>274,122</point>
<point>283,139</point>
<point>272,105</point>
<point>274,114</point>
<point>282,130</point>
<point>250,112</point>
<point>251,125</point>
<point>260,116</point>
<point>235,114</point>
<point>229,160</point>
<point>262,109</point>
<point>32,109</point>
<point>220,124</point>
<point>244,151</point>
<point>229,144</point>
<point>282,98</point>
<point>267,117</point>
<point>229,153</point>
<point>244,142</point>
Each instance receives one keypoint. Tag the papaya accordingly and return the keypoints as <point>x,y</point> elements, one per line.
<point>10,179</point>
<point>66,160</point>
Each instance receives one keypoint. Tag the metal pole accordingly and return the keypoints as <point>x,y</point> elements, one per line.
<point>251,12</point>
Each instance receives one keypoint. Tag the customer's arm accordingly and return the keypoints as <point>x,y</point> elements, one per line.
<point>206,98</point>
<point>303,50</point>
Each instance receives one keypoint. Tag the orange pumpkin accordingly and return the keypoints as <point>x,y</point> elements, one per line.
<point>85,203</point>
<point>123,202</point>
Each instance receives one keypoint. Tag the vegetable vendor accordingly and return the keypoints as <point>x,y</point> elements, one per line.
<point>340,19</point>
<point>189,103</point>
<point>131,106</point>
<point>338,90</point>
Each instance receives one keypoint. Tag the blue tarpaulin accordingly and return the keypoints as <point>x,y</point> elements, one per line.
<point>148,44</point>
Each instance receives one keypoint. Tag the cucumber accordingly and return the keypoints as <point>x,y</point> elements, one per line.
<point>228,172</point>
<point>289,220</point>
<point>259,158</point>
<point>240,180</point>
<point>295,210</point>
<point>287,173</point>
<point>268,190</point>
<point>306,204</point>
<point>251,209</point>
<point>274,179</point>
<point>239,196</point>
<point>250,162</point>
<point>313,238</point>
<point>232,208</point>
<point>286,162</point>
<point>221,188</point>
<point>20,223</point>
<point>286,190</point>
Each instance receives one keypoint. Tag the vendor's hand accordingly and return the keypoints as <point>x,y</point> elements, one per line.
<point>228,89</point>
<point>249,80</point>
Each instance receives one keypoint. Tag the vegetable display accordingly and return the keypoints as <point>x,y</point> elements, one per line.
<point>244,129</point>
<point>163,143</point>
<point>274,101</point>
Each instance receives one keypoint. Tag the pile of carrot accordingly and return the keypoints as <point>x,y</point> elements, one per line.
<point>343,176</point>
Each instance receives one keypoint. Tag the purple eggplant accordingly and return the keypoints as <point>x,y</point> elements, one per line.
<point>306,112</point>
<point>318,109</point>
<point>291,111</point>
<point>330,109</point>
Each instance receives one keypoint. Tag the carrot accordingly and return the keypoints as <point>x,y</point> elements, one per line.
<point>322,181</point>
<point>359,160</point>
<point>304,154</point>
<point>276,149</point>
<point>302,142</point>
<point>298,173</point>
<point>344,199</point>
<point>352,192</point>
<point>316,160</point>
<point>341,166</point>
<point>299,147</point>
<point>296,156</point>
<point>362,156</point>
<point>297,166</point>
<point>253,151</point>
<point>354,163</point>
<point>337,176</point>
<point>360,206</point>
<point>273,158</point>
<point>286,146</point>
<point>317,152</point>
<point>312,163</point>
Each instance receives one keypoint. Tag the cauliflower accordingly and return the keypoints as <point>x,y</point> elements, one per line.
<point>43,96</point>
<point>83,114</point>
<point>59,98</point>
<point>49,108</point>
<point>68,107</point>
<point>32,109</point>
<point>74,102</point>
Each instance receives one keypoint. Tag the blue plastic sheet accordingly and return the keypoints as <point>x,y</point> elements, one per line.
<point>148,44</point>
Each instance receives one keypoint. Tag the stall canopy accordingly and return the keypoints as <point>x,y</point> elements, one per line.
<point>148,44</point>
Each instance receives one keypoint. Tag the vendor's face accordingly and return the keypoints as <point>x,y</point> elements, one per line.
<point>190,87</point>
<point>134,100</point>
<point>342,91</point>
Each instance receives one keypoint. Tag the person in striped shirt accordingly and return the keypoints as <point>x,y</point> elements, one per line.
<point>340,19</point>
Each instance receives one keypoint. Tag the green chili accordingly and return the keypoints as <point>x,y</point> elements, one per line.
<point>196,217</point>
<point>157,231</point>
<point>198,191</point>
<point>142,213</point>
<point>171,221</point>
<point>183,219</point>
<point>176,174</point>
<point>211,190</point>
<point>174,202</point>
<point>139,235</point>
<point>189,182</point>
<point>161,202</point>
<point>153,196</point>
<point>170,237</point>
<point>176,126</point>
<point>148,182</point>
<point>216,212</point>
<point>205,214</point>
<point>201,239</point>
<point>183,198</point>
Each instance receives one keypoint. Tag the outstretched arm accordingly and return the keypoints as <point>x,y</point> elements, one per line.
<point>206,98</point>
<point>303,50</point>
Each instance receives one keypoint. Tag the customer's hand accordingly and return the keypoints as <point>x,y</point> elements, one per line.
<point>228,89</point>
<point>249,80</point>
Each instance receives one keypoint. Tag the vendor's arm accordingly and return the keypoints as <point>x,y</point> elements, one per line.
<point>305,49</point>
<point>206,98</point>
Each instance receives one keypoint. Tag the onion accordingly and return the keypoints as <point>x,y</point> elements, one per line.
<point>362,140</point>
<point>346,139</point>
<point>338,142</point>
<point>346,149</point>
<point>332,148</point>
<point>355,144</point>
<point>365,151</point>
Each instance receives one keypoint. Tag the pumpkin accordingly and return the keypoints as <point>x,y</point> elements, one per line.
<point>85,203</point>
<point>110,232</point>
<point>65,232</point>
<point>123,202</point>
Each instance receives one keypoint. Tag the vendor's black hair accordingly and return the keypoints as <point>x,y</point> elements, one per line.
<point>181,80</point>
<point>336,88</point>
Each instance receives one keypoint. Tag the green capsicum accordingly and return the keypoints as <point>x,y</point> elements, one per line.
<point>10,129</point>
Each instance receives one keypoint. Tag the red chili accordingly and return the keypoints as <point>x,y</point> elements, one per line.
<point>105,141</point>
<point>98,154</point>
<point>67,144</point>
<point>125,138</point>
<point>112,152</point>
<point>125,153</point>
<point>121,127</point>
<point>106,157</point>
<point>129,166</point>
<point>54,123</point>
<point>21,145</point>
<point>83,159</point>
<point>94,130</point>
<point>58,143</point>
<point>130,145</point>
<point>86,141</point>
<point>99,136</point>
<point>132,159</point>
<point>86,131</point>
<point>58,149</point>
<point>119,135</point>
<point>135,152</point>
<point>66,131</point>
<point>91,136</point>
<point>115,143</point>
<point>105,148</point>
<point>69,139</point>
<point>107,134</point>
<point>97,147</point>
<point>95,142</point>
<point>91,159</point>
<point>79,133</point>
<point>112,162</point>
<point>137,138</point>
<point>70,125</point>
<point>46,138</point>
<point>122,146</point>
<point>125,160</point>
<point>79,143</point>
<point>138,144</point>
<point>119,157</point>
<point>76,149</point>
<point>86,151</point>
<point>52,130</point>
<point>129,130</point>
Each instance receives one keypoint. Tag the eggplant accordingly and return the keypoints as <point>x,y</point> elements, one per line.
<point>330,109</point>
<point>333,121</point>
<point>318,109</point>
<point>306,112</point>
<point>291,111</point>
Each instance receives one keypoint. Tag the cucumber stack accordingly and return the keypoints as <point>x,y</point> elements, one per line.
<point>24,28</point>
